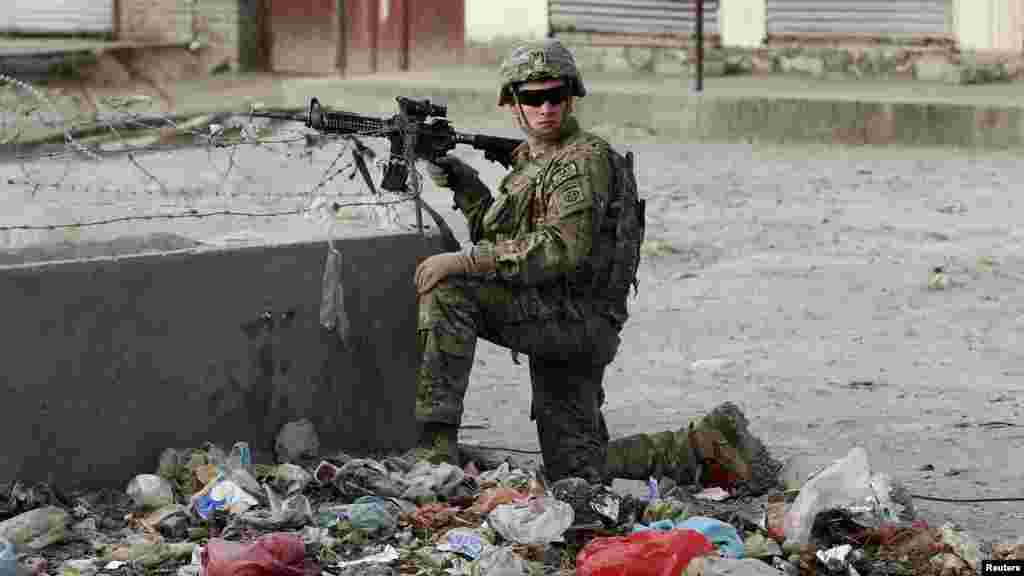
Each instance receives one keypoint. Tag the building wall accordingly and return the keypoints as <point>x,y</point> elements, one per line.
<point>217,24</point>
<point>487,20</point>
<point>436,33</point>
<point>162,21</point>
<point>742,23</point>
<point>996,25</point>
<point>304,36</point>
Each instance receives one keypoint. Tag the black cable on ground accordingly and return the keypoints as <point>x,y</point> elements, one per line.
<point>965,500</point>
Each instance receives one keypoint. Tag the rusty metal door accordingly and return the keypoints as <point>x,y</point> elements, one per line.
<point>304,36</point>
<point>634,17</point>
<point>57,17</point>
<point>859,17</point>
<point>436,32</point>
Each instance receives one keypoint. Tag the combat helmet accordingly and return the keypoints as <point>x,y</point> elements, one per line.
<point>545,59</point>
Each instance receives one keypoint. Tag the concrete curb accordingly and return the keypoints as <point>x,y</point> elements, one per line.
<point>692,117</point>
<point>666,115</point>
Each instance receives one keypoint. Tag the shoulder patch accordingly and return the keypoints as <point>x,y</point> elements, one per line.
<point>564,171</point>
<point>571,194</point>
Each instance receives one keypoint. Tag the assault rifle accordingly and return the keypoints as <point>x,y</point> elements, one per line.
<point>420,130</point>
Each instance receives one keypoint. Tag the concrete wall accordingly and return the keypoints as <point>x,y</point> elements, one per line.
<point>743,23</point>
<point>487,20</point>
<point>108,362</point>
<point>218,26</point>
<point>996,25</point>
<point>153,20</point>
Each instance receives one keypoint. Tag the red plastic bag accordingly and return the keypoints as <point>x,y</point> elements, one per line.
<point>649,553</point>
<point>269,555</point>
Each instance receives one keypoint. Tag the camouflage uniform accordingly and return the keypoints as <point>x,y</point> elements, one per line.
<point>538,233</point>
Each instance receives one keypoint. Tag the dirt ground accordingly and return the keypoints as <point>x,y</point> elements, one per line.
<point>792,281</point>
<point>795,282</point>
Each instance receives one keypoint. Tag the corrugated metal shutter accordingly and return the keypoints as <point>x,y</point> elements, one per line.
<point>57,16</point>
<point>630,16</point>
<point>903,17</point>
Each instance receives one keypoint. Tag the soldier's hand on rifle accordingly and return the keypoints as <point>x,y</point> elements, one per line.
<point>437,268</point>
<point>449,172</point>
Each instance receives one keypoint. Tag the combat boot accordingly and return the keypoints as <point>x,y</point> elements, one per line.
<point>642,456</point>
<point>439,442</point>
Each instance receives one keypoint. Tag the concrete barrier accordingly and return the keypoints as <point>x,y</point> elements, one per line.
<point>109,361</point>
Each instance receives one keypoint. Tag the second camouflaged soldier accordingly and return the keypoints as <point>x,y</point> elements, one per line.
<point>552,258</point>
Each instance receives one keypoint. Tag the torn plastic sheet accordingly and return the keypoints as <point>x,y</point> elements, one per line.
<point>333,312</point>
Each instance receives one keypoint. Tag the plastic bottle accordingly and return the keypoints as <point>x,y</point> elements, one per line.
<point>8,559</point>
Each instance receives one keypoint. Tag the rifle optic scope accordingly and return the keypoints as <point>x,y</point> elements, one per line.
<point>422,108</point>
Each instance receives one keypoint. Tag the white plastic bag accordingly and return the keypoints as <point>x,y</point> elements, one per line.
<point>846,483</point>
<point>538,521</point>
<point>149,492</point>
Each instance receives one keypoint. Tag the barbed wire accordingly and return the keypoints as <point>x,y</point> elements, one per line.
<point>124,135</point>
<point>193,213</point>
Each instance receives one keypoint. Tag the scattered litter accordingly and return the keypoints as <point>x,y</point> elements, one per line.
<point>8,558</point>
<point>712,566</point>
<point>847,484</point>
<point>648,553</point>
<point>961,544</point>
<point>758,545</point>
<point>296,442</point>
<point>149,491</point>
<point>714,494</point>
<point>374,515</point>
<point>269,555</point>
<point>723,536</point>
<point>836,560</point>
<point>464,541</point>
<point>539,521</point>
<point>499,561</point>
<point>36,529</point>
<point>401,515</point>
<point>493,497</point>
<point>149,553</point>
<point>387,556</point>
<point>290,479</point>
<point>222,495</point>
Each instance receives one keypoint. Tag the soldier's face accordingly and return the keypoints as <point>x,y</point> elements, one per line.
<point>545,104</point>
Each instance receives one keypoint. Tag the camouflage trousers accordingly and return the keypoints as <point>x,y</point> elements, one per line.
<point>568,349</point>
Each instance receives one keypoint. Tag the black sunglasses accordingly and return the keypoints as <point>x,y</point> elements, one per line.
<point>536,98</point>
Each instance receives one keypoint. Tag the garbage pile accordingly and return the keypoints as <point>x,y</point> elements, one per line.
<point>211,512</point>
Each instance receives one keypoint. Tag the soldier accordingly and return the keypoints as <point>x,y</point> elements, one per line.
<point>532,279</point>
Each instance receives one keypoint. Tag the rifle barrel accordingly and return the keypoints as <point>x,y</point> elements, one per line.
<point>289,115</point>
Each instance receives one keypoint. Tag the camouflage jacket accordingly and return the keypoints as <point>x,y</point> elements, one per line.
<point>540,227</point>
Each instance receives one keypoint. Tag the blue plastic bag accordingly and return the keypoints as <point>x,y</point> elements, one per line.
<point>723,536</point>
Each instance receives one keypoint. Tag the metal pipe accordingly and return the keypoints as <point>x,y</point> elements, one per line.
<point>700,45</point>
